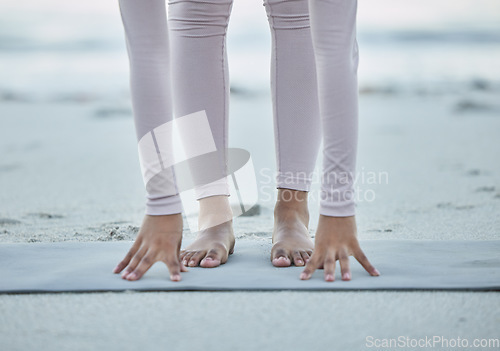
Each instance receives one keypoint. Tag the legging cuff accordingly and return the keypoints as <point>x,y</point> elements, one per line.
<point>294,182</point>
<point>166,205</point>
<point>219,187</point>
<point>337,209</point>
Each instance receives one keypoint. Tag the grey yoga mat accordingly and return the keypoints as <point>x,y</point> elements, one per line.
<point>404,265</point>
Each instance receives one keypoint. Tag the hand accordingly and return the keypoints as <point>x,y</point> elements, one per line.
<point>158,240</point>
<point>336,240</point>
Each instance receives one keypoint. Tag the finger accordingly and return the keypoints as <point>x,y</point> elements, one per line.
<point>134,262</point>
<point>305,256</point>
<point>329,266</point>
<point>363,260</point>
<point>311,266</point>
<point>345,269</point>
<point>146,262</point>
<point>174,267</point>
<point>123,263</point>
<point>297,258</point>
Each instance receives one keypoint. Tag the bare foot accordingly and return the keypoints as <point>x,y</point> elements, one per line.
<point>336,240</point>
<point>158,240</point>
<point>215,240</point>
<point>291,240</point>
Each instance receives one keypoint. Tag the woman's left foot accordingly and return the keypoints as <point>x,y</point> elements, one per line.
<point>291,240</point>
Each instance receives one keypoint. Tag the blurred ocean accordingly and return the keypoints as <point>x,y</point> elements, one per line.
<point>59,49</point>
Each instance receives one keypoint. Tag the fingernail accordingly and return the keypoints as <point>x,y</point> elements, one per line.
<point>115,270</point>
<point>175,277</point>
<point>346,276</point>
<point>132,276</point>
<point>329,277</point>
<point>377,272</point>
<point>303,276</point>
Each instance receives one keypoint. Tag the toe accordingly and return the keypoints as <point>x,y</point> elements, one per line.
<point>196,258</point>
<point>280,258</point>
<point>182,254</point>
<point>297,258</point>
<point>187,256</point>
<point>212,259</point>
<point>305,256</point>
<point>282,262</point>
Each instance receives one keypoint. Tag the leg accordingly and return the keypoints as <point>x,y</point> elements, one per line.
<point>296,126</point>
<point>333,28</point>
<point>161,232</point>
<point>148,48</point>
<point>201,83</point>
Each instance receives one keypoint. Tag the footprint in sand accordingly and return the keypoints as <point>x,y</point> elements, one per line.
<point>485,189</point>
<point>45,215</point>
<point>8,221</point>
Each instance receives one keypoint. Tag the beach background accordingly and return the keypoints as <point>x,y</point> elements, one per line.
<point>429,80</point>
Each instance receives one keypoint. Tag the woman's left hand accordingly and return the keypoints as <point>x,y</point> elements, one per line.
<point>336,240</point>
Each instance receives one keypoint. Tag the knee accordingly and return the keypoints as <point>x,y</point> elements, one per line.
<point>190,18</point>
<point>287,14</point>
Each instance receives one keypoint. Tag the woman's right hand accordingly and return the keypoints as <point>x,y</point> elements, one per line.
<point>159,239</point>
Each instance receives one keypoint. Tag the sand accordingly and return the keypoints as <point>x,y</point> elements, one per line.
<point>69,172</point>
<point>240,320</point>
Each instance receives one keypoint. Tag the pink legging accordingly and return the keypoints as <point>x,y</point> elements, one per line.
<point>181,68</point>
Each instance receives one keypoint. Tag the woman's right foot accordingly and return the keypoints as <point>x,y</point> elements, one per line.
<point>211,247</point>
<point>215,240</point>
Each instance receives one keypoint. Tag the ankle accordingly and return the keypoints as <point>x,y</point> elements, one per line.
<point>214,210</point>
<point>292,202</point>
<point>292,199</point>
